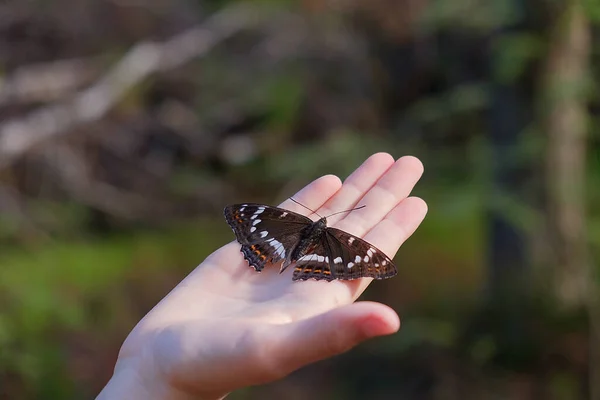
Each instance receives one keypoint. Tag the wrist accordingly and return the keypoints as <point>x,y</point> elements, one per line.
<point>129,382</point>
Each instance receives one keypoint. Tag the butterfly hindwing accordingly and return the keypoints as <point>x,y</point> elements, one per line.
<point>265,233</point>
<point>315,264</point>
<point>354,258</point>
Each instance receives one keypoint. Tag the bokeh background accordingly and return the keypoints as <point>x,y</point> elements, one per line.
<point>127,125</point>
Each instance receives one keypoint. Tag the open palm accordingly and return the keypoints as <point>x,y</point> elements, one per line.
<point>226,326</point>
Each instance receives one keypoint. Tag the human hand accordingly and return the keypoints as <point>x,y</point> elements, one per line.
<point>225,326</point>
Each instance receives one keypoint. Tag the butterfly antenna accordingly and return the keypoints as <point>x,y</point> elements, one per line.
<point>304,206</point>
<point>352,209</point>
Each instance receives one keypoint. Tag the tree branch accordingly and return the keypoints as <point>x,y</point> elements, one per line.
<point>17,136</point>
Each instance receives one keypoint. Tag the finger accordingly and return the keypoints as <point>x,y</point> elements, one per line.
<point>297,344</point>
<point>314,195</point>
<point>261,354</point>
<point>393,187</point>
<point>358,183</point>
<point>389,234</point>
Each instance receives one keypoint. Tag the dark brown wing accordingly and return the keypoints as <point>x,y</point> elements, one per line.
<point>351,257</point>
<point>316,264</point>
<point>267,234</point>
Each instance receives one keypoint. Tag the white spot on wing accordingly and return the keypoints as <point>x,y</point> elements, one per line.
<point>278,247</point>
<point>370,252</point>
<point>351,240</point>
<point>314,257</point>
<point>350,265</point>
<point>264,234</point>
<point>283,215</point>
<point>384,262</point>
<point>338,260</point>
<point>256,222</point>
<point>252,229</point>
<point>366,259</point>
<point>242,209</point>
<point>357,259</point>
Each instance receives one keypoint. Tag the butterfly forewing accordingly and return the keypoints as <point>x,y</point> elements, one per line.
<point>355,258</point>
<point>266,233</point>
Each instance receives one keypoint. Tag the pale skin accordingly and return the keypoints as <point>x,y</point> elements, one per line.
<point>226,327</point>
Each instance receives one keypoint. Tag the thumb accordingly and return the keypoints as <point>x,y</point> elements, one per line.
<point>334,332</point>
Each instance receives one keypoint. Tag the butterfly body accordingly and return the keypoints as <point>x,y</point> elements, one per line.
<point>310,237</point>
<point>271,235</point>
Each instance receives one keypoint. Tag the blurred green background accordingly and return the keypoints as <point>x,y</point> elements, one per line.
<point>127,125</point>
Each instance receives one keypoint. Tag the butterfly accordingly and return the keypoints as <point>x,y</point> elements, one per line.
<point>270,235</point>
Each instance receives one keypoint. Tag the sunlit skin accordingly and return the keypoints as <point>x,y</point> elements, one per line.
<point>225,326</point>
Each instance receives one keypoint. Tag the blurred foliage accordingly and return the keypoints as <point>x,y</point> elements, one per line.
<point>98,223</point>
<point>65,287</point>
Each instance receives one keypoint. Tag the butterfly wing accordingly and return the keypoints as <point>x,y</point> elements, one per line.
<point>315,264</point>
<point>339,255</point>
<point>352,257</point>
<point>267,234</point>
